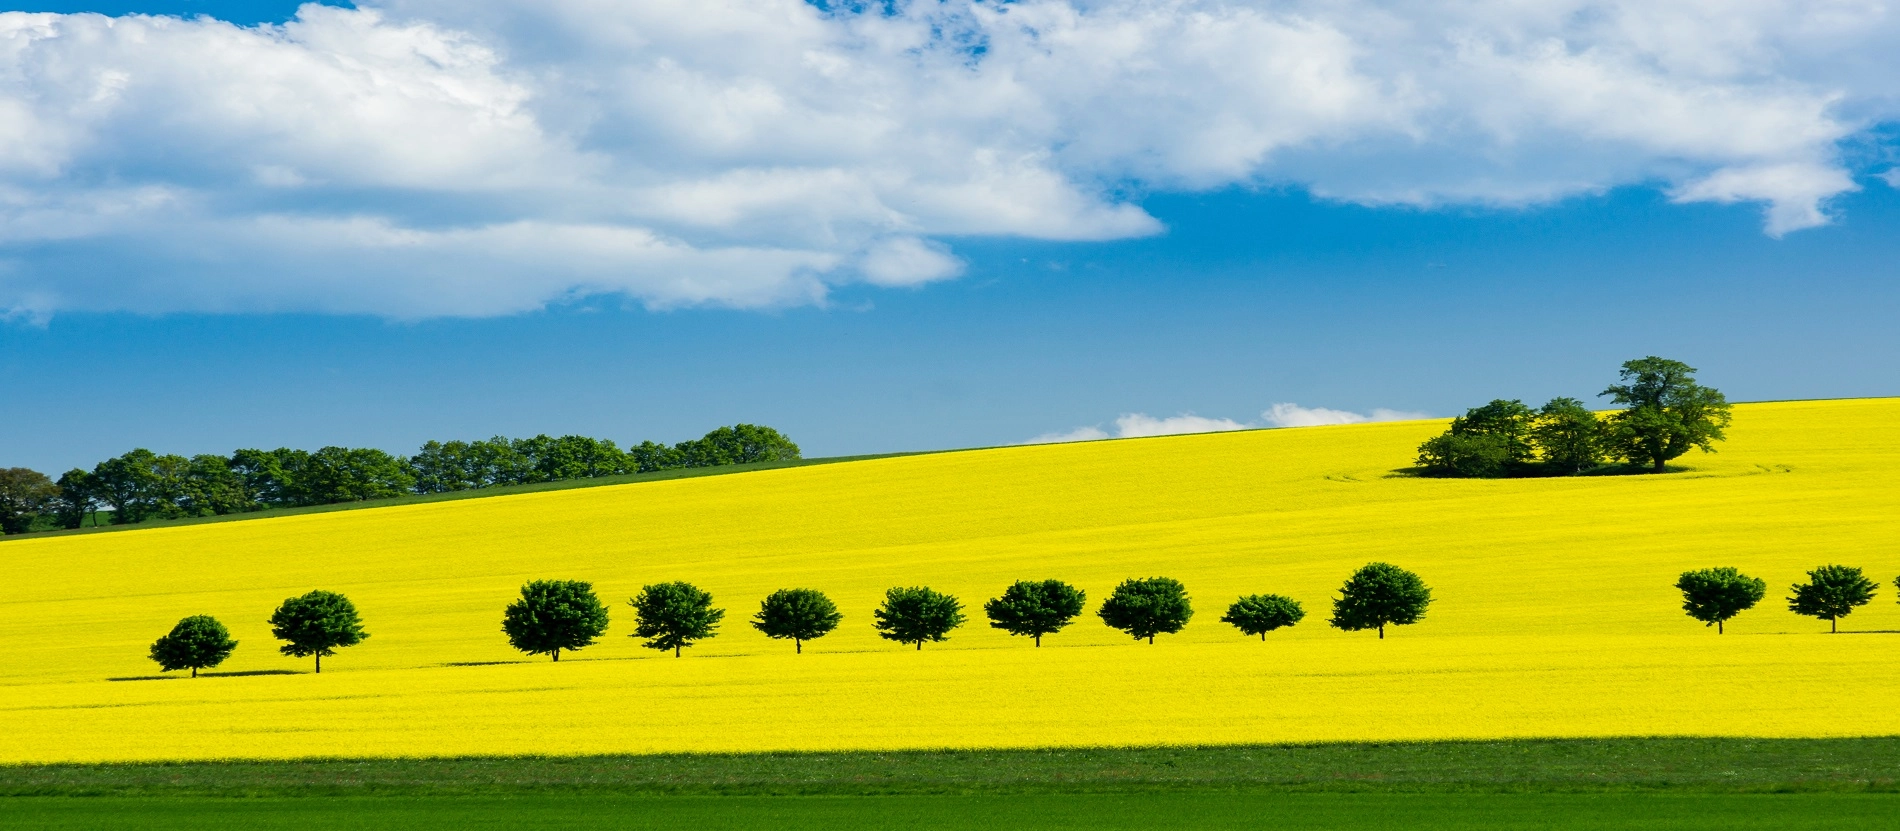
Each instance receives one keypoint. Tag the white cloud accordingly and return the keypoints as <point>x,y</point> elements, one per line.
<point>427,157</point>
<point>1137,425</point>
<point>1294,415</point>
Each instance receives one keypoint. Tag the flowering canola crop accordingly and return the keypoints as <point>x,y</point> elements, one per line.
<point>1555,611</point>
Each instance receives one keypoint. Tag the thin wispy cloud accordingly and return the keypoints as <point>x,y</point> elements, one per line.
<point>416,158</point>
<point>1138,425</point>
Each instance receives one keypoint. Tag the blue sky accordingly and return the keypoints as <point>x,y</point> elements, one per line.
<point>1317,259</point>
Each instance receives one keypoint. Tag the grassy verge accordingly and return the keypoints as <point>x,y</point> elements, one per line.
<point>1069,812</point>
<point>1730,766</point>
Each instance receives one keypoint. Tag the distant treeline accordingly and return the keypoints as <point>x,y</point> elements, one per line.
<point>143,485</point>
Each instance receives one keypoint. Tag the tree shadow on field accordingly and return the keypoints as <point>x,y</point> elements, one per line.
<point>1865,632</point>
<point>488,663</point>
<point>207,674</point>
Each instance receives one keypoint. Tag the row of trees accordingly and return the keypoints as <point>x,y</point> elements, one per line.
<point>1832,592</point>
<point>143,485</point>
<point>1667,414</point>
<point>555,616</point>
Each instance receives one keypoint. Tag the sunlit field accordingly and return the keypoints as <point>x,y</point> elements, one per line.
<point>1555,612</point>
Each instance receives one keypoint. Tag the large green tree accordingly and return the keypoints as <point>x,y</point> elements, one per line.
<point>674,616</point>
<point>797,614</point>
<point>1668,413</point>
<point>1258,614</point>
<point>24,494</point>
<point>916,614</point>
<point>737,445</point>
<point>552,615</point>
<point>1713,595</point>
<point>76,500</point>
<point>127,484</point>
<point>1035,608</point>
<point>353,474</point>
<point>1568,436</point>
<point>1467,456</point>
<point>1380,595</point>
<point>1509,422</point>
<point>1831,593</point>
<point>1147,607</point>
<point>317,624</point>
<point>197,642</point>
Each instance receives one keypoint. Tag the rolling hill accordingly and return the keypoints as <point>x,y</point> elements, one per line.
<point>1555,616</point>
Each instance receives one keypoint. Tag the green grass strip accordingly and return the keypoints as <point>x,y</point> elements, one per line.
<point>1689,765</point>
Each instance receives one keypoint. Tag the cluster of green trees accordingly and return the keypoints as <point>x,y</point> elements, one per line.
<point>143,485</point>
<point>1667,414</point>
<point>1832,592</point>
<point>555,616</point>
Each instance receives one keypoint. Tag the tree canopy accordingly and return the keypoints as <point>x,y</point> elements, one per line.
<point>1147,607</point>
<point>1668,413</point>
<point>1258,614</point>
<point>552,615</point>
<point>915,614</point>
<point>24,493</point>
<point>1380,595</point>
<point>195,643</point>
<point>1713,595</point>
<point>674,616</point>
<point>317,624</point>
<point>1831,593</point>
<point>1035,608</point>
<point>798,614</point>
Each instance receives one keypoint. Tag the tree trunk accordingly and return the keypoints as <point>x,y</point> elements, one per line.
<point>319,663</point>
<point>1718,627</point>
<point>920,646</point>
<point>799,646</point>
<point>1151,639</point>
<point>557,655</point>
<point>1038,641</point>
<point>1659,464</point>
<point>1263,637</point>
<point>676,652</point>
<point>1833,625</point>
<point>194,672</point>
<point>1381,631</point>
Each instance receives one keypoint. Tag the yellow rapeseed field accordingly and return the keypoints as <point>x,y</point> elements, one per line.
<point>1555,615</point>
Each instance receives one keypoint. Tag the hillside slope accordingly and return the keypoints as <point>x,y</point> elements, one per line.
<point>1555,617</point>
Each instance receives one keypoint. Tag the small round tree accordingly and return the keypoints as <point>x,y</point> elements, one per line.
<point>674,615</point>
<point>1035,608</point>
<point>1147,607</point>
<point>916,614</point>
<point>552,615</point>
<point>1258,614</point>
<point>799,614</point>
<point>1713,595</point>
<point>197,642</point>
<point>1378,595</point>
<point>1831,593</point>
<point>318,623</point>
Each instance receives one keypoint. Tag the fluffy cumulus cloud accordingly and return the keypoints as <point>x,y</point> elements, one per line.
<point>1138,425</point>
<point>412,158</point>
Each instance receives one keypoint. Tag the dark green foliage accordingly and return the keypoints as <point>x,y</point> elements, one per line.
<point>1466,456</point>
<point>197,642</point>
<point>1035,608</point>
<point>1668,413</point>
<point>1568,436</point>
<point>76,500</point>
<point>142,485</point>
<point>1258,614</point>
<point>798,614</point>
<point>552,615</point>
<point>1831,593</point>
<point>1713,595</point>
<point>24,494</point>
<point>317,623</point>
<point>737,445</point>
<point>1378,595</point>
<point>917,614</point>
<point>1507,422</point>
<point>1147,607</point>
<point>674,615</point>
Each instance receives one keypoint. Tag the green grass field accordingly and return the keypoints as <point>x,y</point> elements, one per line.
<point>1548,784</point>
<point>1280,811</point>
